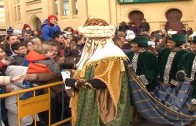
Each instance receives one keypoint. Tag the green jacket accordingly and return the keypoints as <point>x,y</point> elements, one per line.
<point>163,57</point>
<point>147,65</point>
<point>186,64</point>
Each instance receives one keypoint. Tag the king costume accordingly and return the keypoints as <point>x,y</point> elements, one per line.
<point>100,84</point>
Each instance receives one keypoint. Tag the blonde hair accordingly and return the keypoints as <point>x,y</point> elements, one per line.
<point>43,49</point>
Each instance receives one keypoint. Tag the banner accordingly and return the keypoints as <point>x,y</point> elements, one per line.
<point>145,1</point>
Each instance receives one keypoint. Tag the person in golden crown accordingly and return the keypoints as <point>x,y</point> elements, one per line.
<point>100,84</point>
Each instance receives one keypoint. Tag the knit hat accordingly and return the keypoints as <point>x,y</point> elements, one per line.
<point>178,38</point>
<point>26,26</point>
<point>140,40</point>
<point>10,30</point>
<point>17,32</point>
<point>52,16</point>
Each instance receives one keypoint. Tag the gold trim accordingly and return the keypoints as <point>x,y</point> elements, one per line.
<point>113,58</point>
<point>88,85</point>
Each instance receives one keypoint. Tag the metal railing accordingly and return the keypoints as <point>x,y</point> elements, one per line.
<point>35,104</point>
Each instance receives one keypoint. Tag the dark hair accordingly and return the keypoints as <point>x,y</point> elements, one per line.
<point>2,47</point>
<point>151,37</point>
<point>131,23</point>
<point>177,44</point>
<point>16,46</point>
<point>68,28</point>
<point>143,45</point>
<point>57,35</point>
<point>27,32</point>
<point>25,43</point>
<point>8,37</point>
<point>78,38</point>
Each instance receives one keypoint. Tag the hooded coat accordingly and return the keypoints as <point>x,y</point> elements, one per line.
<point>49,30</point>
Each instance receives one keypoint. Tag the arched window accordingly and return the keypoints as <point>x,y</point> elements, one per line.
<point>136,17</point>
<point>65,7</point>
<point>173,17</point>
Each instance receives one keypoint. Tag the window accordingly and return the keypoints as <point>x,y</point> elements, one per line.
<point>17,11</point>
<point>66,8</point>
<point>75,8</point>
<point>56,7</point>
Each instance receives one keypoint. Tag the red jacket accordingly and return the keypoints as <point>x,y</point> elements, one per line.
<point>1,65</point>
<point>34,66</point>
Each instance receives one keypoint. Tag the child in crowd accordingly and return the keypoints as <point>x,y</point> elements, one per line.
<point>21,51</point>
<point>40,60</point>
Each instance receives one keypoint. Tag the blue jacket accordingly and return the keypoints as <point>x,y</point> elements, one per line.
<point>49,31</point>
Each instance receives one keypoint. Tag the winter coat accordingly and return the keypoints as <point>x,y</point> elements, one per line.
<point>48,31</point>
<point>11,102</point>
<point>1,65</point>
<point>41,64</point>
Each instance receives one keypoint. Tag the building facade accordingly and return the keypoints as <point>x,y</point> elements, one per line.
<point>75,12</point>
<point>2,18</point>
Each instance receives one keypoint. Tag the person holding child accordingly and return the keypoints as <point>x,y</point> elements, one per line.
<point>42,68</point>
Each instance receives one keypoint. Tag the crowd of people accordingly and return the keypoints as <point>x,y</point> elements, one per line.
<point>162,61</point>
<point>52,50</point>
